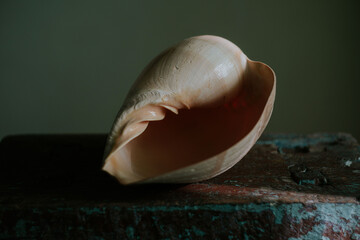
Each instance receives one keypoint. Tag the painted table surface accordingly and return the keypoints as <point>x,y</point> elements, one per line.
<point>289,186</point>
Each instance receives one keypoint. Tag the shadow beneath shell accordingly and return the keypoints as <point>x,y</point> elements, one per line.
<point>58,170</point>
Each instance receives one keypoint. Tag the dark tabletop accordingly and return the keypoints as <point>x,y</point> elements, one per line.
<point>66,169</point>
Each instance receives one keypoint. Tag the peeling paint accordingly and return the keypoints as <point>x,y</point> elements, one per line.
<point>325,217</point>
<point>348,163</point>
<point>295,140</point>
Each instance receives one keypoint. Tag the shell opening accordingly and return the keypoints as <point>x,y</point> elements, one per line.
<point>172,141</point>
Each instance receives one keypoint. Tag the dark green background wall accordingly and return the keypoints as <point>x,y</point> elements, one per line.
<point>65,67</point>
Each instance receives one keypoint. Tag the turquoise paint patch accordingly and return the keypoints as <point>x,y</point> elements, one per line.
<point>241,223</point>
<point>294,141</point>
<point>343,215</point>
<point>187,232</point>
<point>20,228</point>
<point>198,232</point>
<point>307,181</point>
<point>92,210</point>
<point>162,227</point>
<point>336,228</point>
<point>355,236</point>
<point>246,237</point>
<point>60,209</point>
<point>97,238</point>
<point>340,216</point>
<point>130,232</point>
<point>208,207</point>
<point>256,208</point>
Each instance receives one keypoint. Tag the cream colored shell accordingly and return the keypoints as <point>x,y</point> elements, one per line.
<point>223,102</point>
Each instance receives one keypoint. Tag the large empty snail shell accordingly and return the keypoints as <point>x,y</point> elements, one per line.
<point>193,113</point>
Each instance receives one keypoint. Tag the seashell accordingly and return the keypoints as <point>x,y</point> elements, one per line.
<point>192,114</point>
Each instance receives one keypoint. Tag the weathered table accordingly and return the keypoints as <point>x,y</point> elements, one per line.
<point>287,187</point>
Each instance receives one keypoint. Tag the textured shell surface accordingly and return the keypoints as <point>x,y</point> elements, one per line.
<point>193,112</point>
